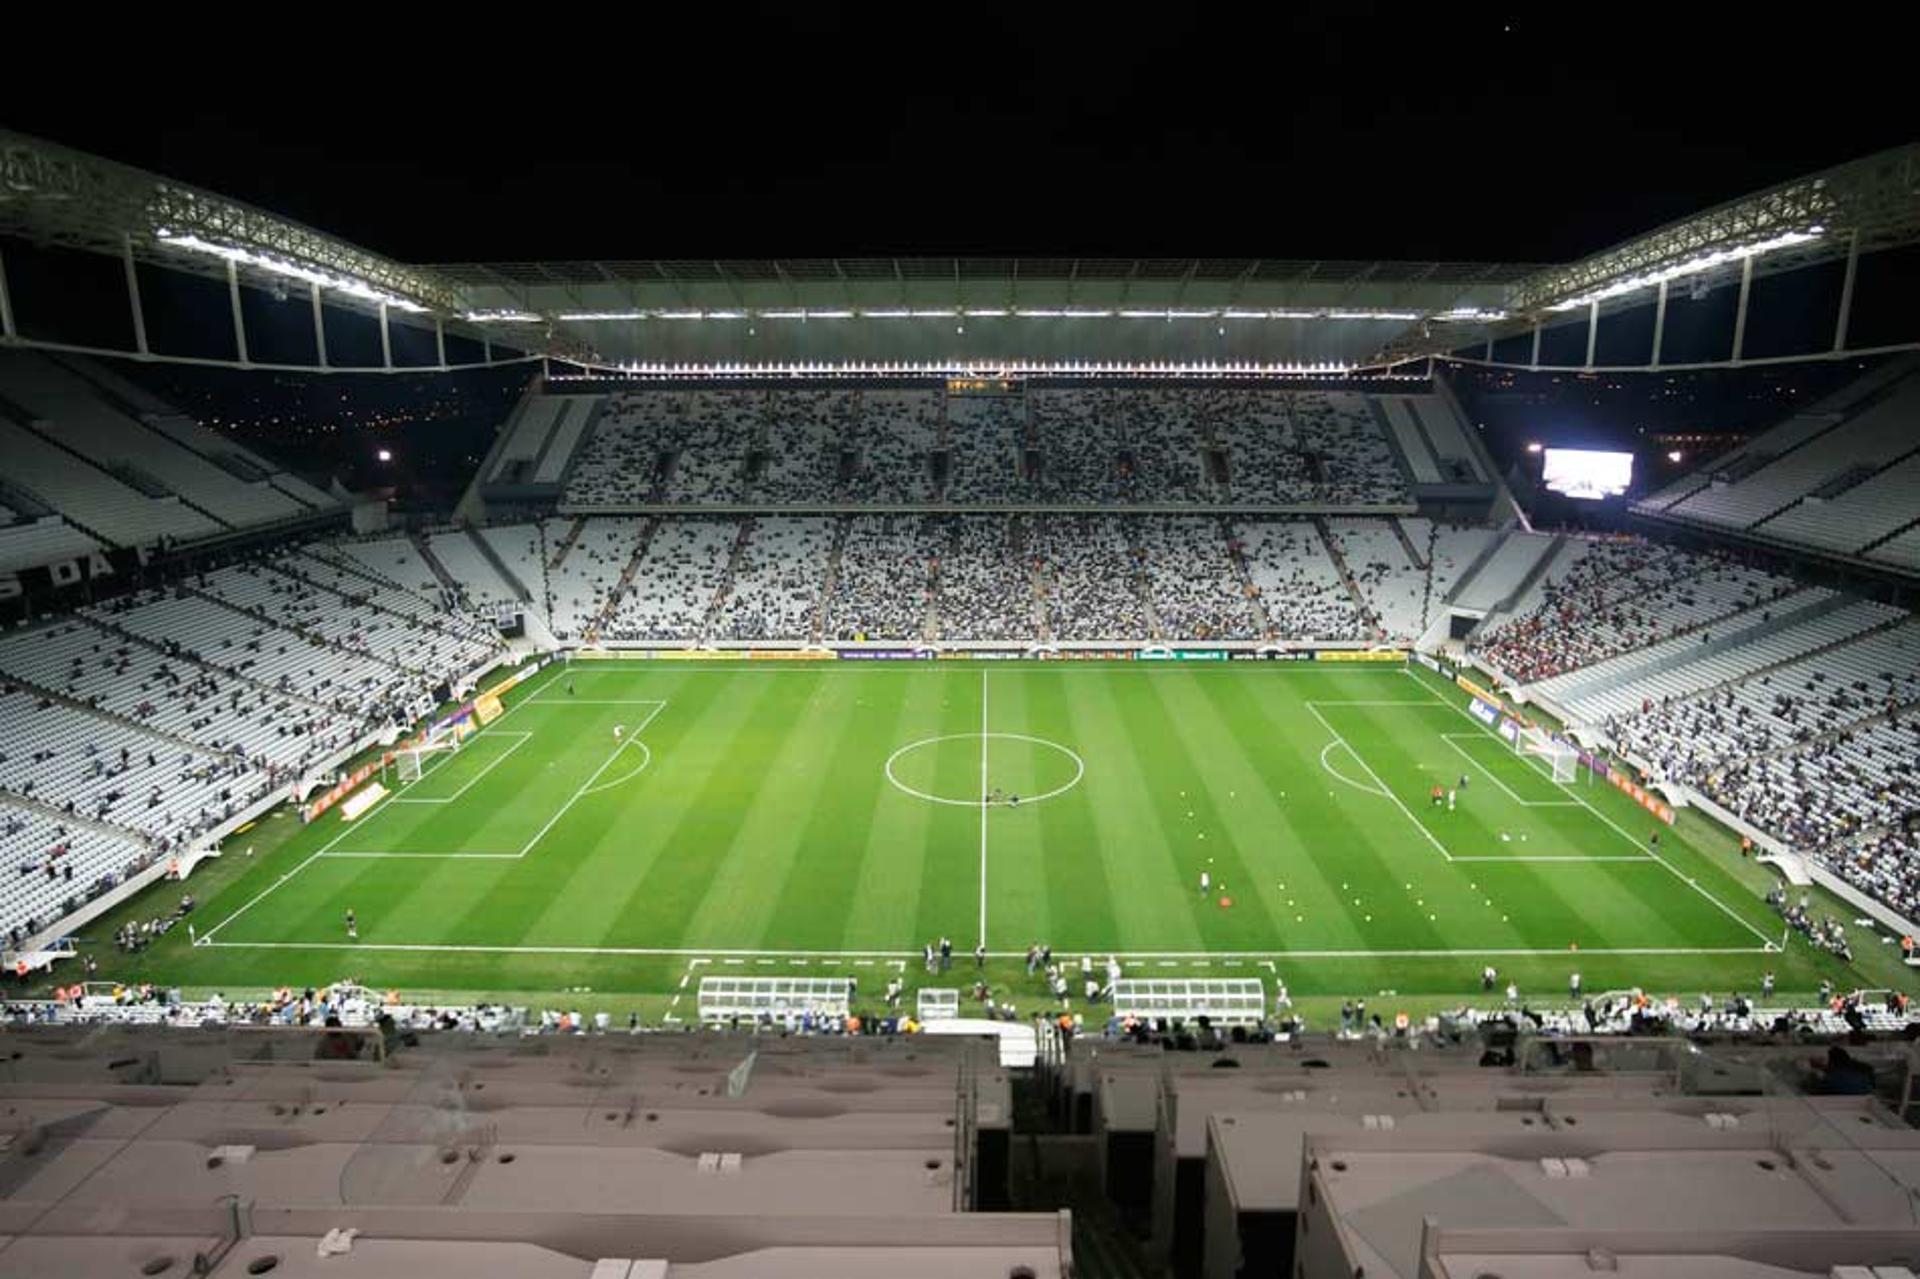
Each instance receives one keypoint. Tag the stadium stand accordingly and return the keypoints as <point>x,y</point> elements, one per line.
<point>1619,596</point>
<point>590,557</point>
<point>1095,583</point>
<point>984,582</point>
<point>1195,581</point>
<point>680,575</point>
<point>883,578</point>
<point>1839,478</point>
<point>1298,585</point>
<point>777,581</point>
<point>1072,446</point>
<point>123,469</point>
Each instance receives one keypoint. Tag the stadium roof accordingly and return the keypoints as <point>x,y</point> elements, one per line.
<point>1275,310</point>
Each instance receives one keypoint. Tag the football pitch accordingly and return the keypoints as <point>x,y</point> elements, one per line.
<point>625,822</point>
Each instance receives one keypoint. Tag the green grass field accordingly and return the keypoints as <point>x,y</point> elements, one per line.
<point>794,817</point>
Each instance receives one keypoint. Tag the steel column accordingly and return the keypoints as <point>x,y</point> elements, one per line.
<point>6,304</point>
<point>133,296</point>
<point>319,325</point>
<point>239,324</point>
<point>1846,293</point>
<point>1740,316</point>
<point>1659,325</point>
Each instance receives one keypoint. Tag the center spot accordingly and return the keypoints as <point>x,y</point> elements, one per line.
<point>947,769</point>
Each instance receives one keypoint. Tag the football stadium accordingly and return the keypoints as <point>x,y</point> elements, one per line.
<point>957,765</point>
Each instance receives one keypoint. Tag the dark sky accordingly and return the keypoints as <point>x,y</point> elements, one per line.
<point>1253,130</point>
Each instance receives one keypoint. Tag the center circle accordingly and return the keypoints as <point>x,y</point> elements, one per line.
<point>911,767</point>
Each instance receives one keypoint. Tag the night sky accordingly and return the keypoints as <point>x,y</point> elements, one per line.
<point>1355,130</point>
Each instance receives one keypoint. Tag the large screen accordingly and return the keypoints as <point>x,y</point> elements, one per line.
<point>1588,474</point>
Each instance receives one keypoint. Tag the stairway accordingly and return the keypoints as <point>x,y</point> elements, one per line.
<point>75,818</point>
<point>1539,569</point>
<point>125,721</point>
<point>822,612</point>
<point>367,603</point>
<point>1414,556</point>
<point>566,543</point>
<point>725,589</point>
<point>292,629</point>
<point>1339,559</point>
<point>491,556</point>
<point>1834,734</point>
<point>1472,570</point>
<point>220,672</point>
<point>621,587</point>
<point>432,561</point>
<point>1039,579</point>
<point>1244,576</point>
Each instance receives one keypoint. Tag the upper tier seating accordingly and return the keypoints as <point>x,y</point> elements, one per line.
<point>1076,446</point>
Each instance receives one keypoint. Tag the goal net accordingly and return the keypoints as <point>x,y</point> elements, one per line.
<point>1560,757</point>
<point>412,759</point>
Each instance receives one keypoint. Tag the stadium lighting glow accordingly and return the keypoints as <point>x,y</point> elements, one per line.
<point>501,317</point>
<point>1692,266</point>
<point>962,368</point>
<point>385,455</point>
<point>984,312</point>
<point>291,270</point>
<point>1470,314</point>
<point>1675,455</point>
<point>1338,313</point>
<point>1533,446</point>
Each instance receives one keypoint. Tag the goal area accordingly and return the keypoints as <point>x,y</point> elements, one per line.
<point>1560,757</point>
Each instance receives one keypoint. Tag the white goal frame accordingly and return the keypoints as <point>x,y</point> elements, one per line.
<point>410,761</point>
<point>1563,760</point>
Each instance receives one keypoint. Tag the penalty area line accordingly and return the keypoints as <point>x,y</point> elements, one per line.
<point>1583,802</point>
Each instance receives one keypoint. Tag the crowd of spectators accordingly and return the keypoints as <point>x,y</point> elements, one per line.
<point>1095,446</point>
<point>1620,595</point>
<point>1298,585</point>
<point>884,581</point>
<point>1095,579</point>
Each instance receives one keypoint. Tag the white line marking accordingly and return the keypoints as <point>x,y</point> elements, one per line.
<point>1494,777</point>
<point>598,701</point>
<point>1550,857</point>
<point>983,805</point>
<point>1433,839</point>
<point>627,776</point>
<point>1328,765</point>
<point>255,900</point>
<point>900,957</point>
<point>1079,766</point>
<point>1576,797</point>
<point>520,739</point>
<point>586,788</point>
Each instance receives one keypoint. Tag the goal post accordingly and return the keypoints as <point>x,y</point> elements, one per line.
<point>411,760</point>
<point>1560,756</point>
